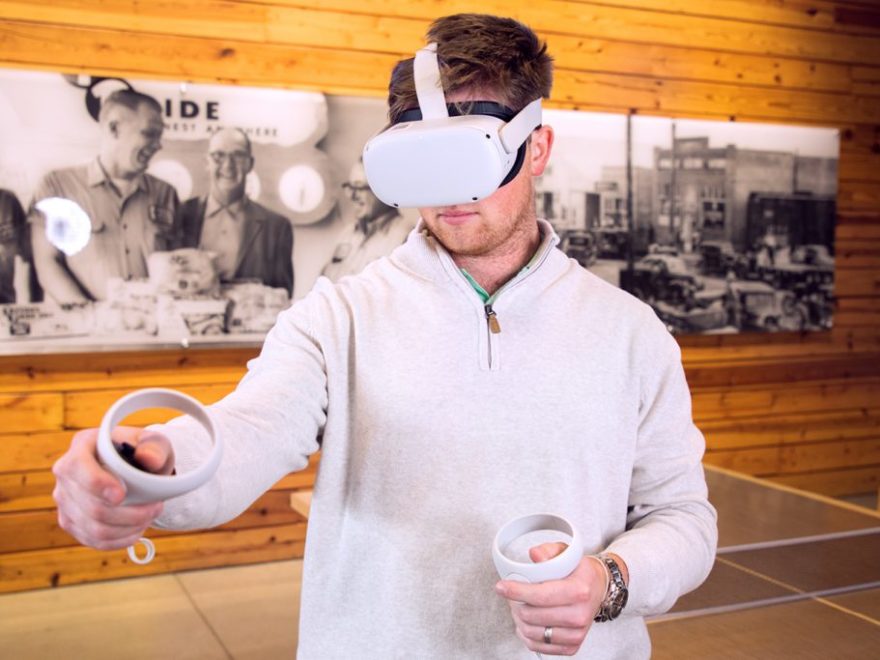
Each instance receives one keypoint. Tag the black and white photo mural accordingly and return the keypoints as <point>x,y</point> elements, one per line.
<point>147,214</point>
<point>138,214</point>
<point>721,227</point>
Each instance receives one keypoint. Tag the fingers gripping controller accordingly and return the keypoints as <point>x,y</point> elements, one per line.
<point>556,568</point>
<point>144,486</point>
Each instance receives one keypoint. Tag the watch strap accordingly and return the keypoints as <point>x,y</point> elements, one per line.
<point>615,595</point>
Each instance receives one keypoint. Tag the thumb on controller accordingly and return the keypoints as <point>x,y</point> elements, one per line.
<point>546,551</point>
<point>146,450</point>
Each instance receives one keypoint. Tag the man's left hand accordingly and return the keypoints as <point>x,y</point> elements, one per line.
<point>566,607</point>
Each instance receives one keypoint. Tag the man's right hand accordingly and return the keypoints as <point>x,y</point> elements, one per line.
<point>89,497</point>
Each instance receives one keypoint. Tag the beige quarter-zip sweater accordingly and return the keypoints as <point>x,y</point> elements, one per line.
<point>436,431</point>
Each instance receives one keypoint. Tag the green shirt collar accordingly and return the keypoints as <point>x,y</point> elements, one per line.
<point>484,295</point>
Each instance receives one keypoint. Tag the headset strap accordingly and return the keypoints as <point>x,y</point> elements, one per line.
<point>515,132</point>
<point>432,102</point>
<point>484,108</point>
<point>426,72</point>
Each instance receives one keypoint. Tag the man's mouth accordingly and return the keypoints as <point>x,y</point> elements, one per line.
<point>456,216</point>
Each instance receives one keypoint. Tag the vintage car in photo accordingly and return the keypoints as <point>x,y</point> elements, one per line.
<point>813,255</point>
<point>799,277</point>
<point>612,242</point>
<point>708,316</point>
<point>580,245</point>
<point>717,258</point>
<point>758,306</point>
<point>659,248</point>
<point>803,266</point>
<point>662,277</point>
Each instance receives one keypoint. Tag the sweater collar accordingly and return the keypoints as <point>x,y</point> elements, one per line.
<point>425,256</point>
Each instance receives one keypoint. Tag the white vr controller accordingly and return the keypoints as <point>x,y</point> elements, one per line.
<point>556,568</point>
<point>142,486</point>
<point>560,566</point>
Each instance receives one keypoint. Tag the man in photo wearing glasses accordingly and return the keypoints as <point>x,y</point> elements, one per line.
<point>376,231</point>
<point>250,241</point>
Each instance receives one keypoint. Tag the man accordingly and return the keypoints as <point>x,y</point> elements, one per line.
<point>131,214</point>
<point>18,283</point>
<point>250,241</point>
<point>475,375</point>
<point>377,230</point>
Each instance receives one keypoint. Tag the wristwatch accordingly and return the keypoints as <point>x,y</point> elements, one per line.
<point>616,595</point>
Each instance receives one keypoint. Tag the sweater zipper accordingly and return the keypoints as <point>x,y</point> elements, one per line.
<point>493,327</point>
<point>492,320</point>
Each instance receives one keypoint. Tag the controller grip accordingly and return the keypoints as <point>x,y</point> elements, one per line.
<point>144,486</point>
<point>558,567</point>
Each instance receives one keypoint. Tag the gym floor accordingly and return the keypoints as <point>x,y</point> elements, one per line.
<point>797,576</point>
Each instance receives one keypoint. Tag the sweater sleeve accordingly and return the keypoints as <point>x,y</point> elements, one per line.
<point>270,425</point>
<point>671,532</point>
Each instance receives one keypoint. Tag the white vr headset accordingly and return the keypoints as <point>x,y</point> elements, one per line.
<point>434,156</point>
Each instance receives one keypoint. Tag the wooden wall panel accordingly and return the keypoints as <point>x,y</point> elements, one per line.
<point>26,491</point>
<point>85,408</point>
<point>55,567</point>
<point>31,412</point>
<point>298,27</point>
<point>802,409</point>
<point>87,371</point>
<point>38,529</point>
<point>834,482</point>
<point>636,88</point>
<point>27,452</point>
<point>837,426</point>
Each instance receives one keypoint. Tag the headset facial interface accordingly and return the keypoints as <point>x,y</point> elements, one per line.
<point>436,156</point>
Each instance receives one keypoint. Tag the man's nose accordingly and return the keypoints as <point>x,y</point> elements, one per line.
<point>228,167</point>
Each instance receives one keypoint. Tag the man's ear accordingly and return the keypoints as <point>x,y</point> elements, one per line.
<point>113,127</point>
<point>541,146</point>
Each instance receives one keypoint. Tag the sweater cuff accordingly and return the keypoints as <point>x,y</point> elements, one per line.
<point>191,445</point>
<point>652,587</point>
<point>641,575</point>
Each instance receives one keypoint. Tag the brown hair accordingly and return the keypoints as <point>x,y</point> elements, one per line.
<point>480,52</point>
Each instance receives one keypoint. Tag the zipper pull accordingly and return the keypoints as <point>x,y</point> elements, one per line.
<point>492,318</point>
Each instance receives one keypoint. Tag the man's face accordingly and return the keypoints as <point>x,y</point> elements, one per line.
<point>229,162</point>
<point>365,204</point>
<point>136,139</point>
<point>501,222</point>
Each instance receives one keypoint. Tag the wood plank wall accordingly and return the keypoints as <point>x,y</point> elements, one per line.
<point>802,410</point>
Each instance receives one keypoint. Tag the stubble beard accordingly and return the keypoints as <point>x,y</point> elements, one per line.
<point>485,240</point>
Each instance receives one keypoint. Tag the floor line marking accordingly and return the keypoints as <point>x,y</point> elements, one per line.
<point>847,610</point>
<point>203,617</point>
<point>796,595</point>
<point>840,504</point>
<point>818,596</point>
<point>796,540</point>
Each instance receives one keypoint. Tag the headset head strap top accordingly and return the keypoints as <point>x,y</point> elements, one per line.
<point>429,88</point>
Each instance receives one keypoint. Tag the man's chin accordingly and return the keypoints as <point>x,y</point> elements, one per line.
<point>135,171</point>
<point>228,189</point>
<point>460,243</point>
